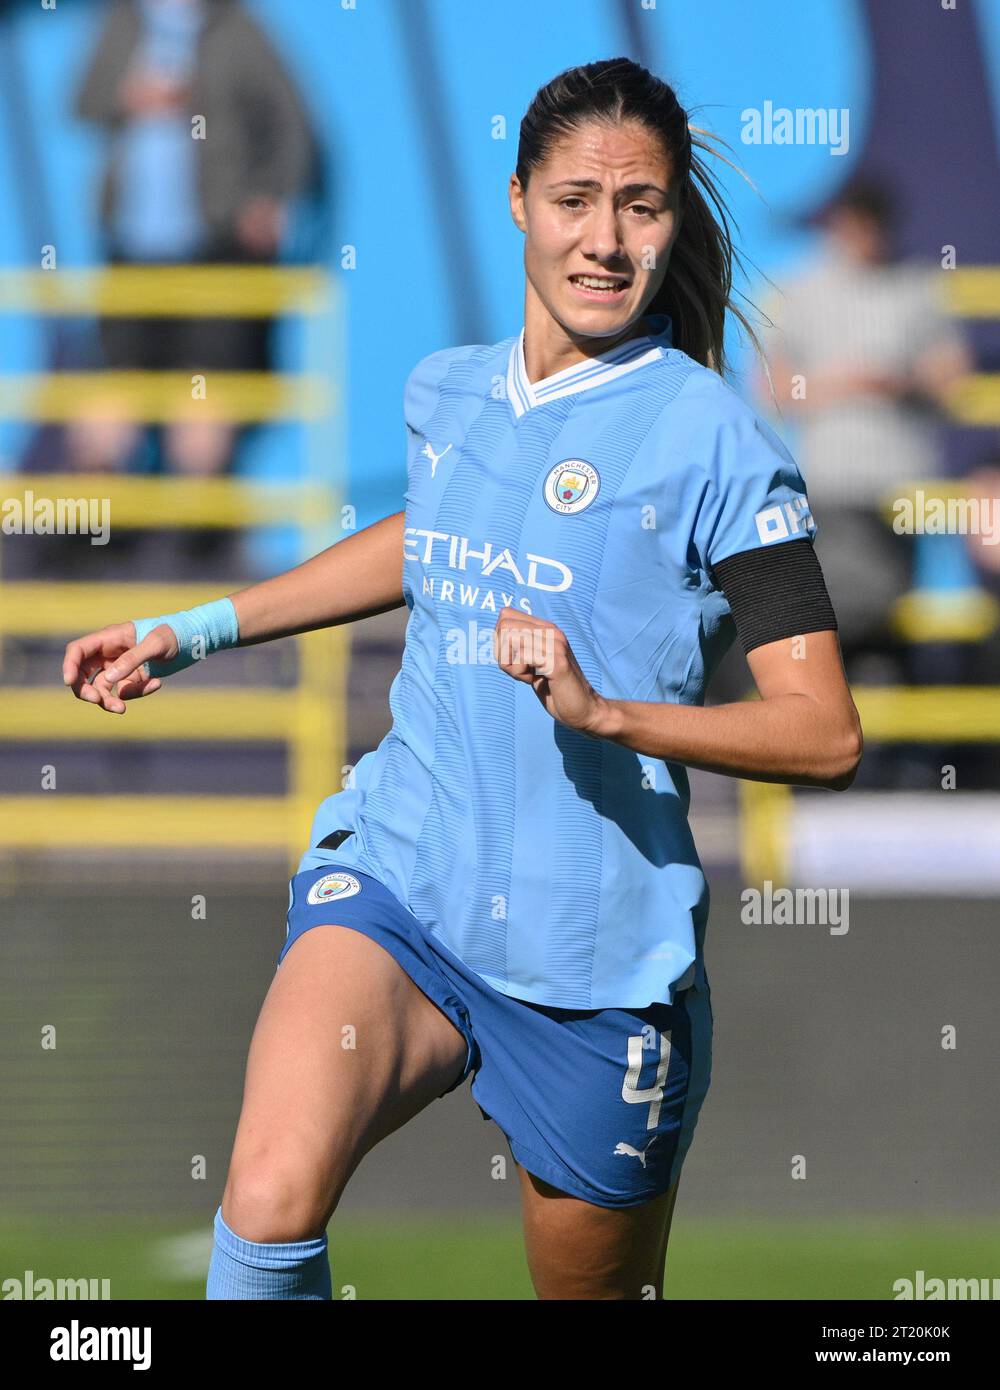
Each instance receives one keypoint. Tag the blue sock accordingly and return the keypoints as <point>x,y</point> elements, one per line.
<point>247,1269</point>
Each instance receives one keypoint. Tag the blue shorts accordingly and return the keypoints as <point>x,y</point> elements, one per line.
<point>600,1103</point>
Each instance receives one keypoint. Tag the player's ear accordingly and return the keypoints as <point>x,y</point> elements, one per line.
<point>516,194</point>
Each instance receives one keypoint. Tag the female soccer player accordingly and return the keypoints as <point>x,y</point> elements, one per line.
<point>510,888</point>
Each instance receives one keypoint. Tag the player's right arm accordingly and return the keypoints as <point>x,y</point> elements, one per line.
<point>355,578</point>
<point>358,577</point>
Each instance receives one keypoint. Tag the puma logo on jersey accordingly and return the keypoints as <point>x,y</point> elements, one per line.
<point>435,459</point>
<point>627,1151</point>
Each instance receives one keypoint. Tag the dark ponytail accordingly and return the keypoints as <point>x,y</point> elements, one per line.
<point>698,287</point>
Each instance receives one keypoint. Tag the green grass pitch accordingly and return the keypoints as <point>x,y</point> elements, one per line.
<point>482,1258</point>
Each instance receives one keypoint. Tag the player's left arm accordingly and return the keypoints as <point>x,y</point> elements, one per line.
<point>753,533</point>
<point>804,729</point>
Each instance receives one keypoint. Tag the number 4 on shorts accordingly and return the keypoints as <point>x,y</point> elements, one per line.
<point>649,1095</point>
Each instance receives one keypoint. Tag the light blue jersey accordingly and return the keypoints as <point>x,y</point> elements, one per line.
<point>559,867</point>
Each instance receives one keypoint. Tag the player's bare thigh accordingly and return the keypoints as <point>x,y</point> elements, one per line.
<point>577,1250</point>
<point>346,1049</point>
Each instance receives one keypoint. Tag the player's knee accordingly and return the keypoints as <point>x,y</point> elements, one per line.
<point>276,1198</point>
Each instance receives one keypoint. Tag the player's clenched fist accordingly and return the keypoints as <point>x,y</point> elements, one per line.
<point>106,668</point>
<point>537,652</point>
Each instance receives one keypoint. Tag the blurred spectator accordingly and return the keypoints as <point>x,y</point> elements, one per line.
<point>170,198</point>
<point>863,358</point>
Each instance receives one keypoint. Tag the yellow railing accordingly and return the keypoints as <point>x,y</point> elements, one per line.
<point>201,291</point>
<point>973,291</point>
<point>889,714</point>
<point>893,714</point>
<point>163,397</point>
<point>307,718</point>
<point>172,502</point>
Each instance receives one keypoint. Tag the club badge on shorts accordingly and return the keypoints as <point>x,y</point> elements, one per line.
<point>571,486</point>
<point>331,887</point>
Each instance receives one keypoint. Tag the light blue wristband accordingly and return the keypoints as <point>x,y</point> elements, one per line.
<point>211,627</point>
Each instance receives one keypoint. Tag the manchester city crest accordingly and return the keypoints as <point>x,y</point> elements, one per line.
<point>332,886</point>
<point>571,486</point>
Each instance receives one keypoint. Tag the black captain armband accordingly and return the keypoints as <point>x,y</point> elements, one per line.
<point>775,591</point>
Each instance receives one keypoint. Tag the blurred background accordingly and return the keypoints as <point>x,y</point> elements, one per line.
<point>231,231</point>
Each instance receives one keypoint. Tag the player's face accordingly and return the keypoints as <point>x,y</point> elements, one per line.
<point>600,215</point>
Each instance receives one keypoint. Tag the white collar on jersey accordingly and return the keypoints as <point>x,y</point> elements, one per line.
<point>594,371</point>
